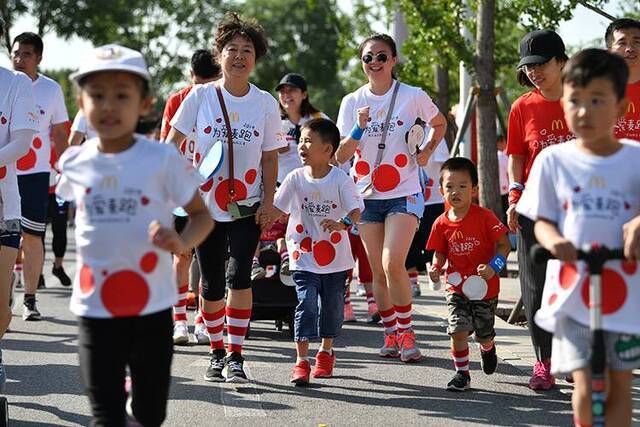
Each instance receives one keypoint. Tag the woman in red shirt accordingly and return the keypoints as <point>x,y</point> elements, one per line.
<point>536,121</point>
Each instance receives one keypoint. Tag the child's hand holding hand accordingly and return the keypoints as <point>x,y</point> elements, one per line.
<point>434,273</point>
<point>166,238</point>
<point>331,225</point>
<point>485,271</point>
<point>563,250</point>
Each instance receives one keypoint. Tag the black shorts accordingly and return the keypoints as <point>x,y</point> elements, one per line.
<point>34,201</point>
<point>239,239</point>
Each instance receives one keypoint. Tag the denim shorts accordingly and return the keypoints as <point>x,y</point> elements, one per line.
<point>11,237</point>
<point>377,210</point>
<point>320,309</point>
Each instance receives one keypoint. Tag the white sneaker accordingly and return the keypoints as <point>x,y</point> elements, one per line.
<point>30,311</point>
<point>360,290</point>
<point>200,333</point>
<point>180,333</point>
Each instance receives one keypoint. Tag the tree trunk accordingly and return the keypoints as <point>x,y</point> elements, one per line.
<point>443,100</point>
<point>486,109</point>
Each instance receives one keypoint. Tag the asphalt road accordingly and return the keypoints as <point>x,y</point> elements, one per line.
<point>44,385</point>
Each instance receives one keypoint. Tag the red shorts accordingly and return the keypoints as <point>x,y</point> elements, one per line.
<point>359,254</point>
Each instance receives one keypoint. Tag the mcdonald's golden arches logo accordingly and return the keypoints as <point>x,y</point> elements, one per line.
<point>109,182</point>
<point>557,124</point>
<point>234,116</point>
<point>631,108</point>
<point>315,196</point>
<point>457,235</point>
<point>380,114</point>
<point>597,182</point>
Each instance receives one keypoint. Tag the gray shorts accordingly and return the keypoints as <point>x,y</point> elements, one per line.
<point>471,316</point>
<point>571,349</point>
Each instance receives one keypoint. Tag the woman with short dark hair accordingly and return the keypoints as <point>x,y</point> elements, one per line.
<point>257,135</point>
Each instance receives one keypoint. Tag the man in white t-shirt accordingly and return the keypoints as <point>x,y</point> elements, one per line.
<point>81,130</point>
<point>33,168</point>
<point>18,123</point>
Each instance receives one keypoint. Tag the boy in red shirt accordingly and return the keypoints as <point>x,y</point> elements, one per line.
<point>474,244</point>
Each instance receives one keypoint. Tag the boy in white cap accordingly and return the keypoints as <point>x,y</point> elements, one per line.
<point>125,188</point>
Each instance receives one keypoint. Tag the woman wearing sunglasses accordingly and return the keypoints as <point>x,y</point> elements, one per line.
<point>535,122</point>
<point>377,121</point>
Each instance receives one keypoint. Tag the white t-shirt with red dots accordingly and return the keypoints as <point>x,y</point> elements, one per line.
<point>256,126</point>
<point>51,111</point>
<point>309,201</point>
<point>80,124</point>
<point>290,160</point>
<point>430,178</point>
<point>397,175</point>
<point>17,112</point>
<point>120,273</point>
<point>590,198</point>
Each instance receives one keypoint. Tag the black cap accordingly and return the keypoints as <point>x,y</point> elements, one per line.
<point>539,46</point>
<point>293,79</point>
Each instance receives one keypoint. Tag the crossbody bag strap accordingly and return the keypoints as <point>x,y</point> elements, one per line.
<point>385,127</point>
<point>232,191</point>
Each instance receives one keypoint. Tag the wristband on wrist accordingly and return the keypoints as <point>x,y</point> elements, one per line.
<point>516,186</point>
<point>346,221</point>
<point>498,262</point>
<point>356,132</point>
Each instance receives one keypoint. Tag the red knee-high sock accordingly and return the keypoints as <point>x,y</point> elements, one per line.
<point>370,299</point>
<point>404,318</point>
<point>237,323</point>
<point>180,309</point>
<point>461,360</point>
<point>389,321</point>
<point>215,326</point>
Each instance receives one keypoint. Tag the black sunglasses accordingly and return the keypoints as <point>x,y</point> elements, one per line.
<point>381,57</point>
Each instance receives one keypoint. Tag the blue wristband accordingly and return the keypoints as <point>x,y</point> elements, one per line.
<point>357,132</point>
<point>498,262</point>
<point>516,186</point>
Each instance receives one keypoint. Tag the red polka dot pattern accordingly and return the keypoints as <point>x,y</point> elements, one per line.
<point>614,292</point>
<point>125,293</point>
<point>324,253</point>
<point>27,161</point>
<point>336,237</point>
<point>385,178</point>
<point>222,192</point>
<point>401,160</point>
<point>87,281</point>
<point>148,262</point>
<point>568,275</point>
<point>250,176</point>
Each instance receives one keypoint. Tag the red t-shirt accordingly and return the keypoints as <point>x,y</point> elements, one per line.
<point>467,244</point>
<point>629,125</point>
<point>170,109</point>
<point>535,123</point>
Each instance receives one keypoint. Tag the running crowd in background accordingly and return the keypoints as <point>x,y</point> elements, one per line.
<point>373,198</point>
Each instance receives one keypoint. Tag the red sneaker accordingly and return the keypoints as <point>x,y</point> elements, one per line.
<point>542,378</point>
<point>300,373</point>
<point>324,364</point>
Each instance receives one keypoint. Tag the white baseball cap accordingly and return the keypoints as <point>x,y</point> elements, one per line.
<point>113,57</point>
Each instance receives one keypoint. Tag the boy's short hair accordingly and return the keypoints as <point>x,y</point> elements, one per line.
<point>204,65</point>
<point>591,64</point>
<point>233,26</point>
<point>2,24</point>
<point>619,24</point>
<point>31,39</point>
<point>458,164</point>
<point>326,130</point>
